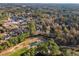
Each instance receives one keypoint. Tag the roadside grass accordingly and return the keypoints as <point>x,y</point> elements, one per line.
<point>18,52</point>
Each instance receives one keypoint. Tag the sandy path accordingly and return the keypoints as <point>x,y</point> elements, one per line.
<point>19,46</point>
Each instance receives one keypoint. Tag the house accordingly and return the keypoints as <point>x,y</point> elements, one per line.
<point>6,36</point>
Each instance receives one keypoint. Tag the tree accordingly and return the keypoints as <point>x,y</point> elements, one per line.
<point>48,48</point>
<point>53,47</point>
<point>43,48</point>
<point>67,52</point>
<point>32,27</point>
<point>1,47</point>
<point>29,52</point>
